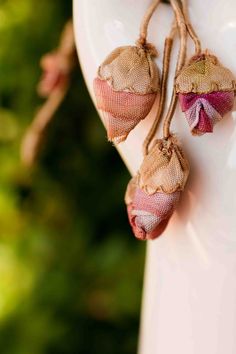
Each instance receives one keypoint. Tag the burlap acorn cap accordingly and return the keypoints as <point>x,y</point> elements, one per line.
<point>130,69</point>
<point>204,74</point>
<point>164,169</point>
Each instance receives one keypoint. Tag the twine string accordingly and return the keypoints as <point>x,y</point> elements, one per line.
<point>145,22</point>
<point>190,28</point>
<point>182,29</point>
<point>164,78</point>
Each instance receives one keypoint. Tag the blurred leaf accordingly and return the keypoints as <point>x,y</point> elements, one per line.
<point>71,271</point>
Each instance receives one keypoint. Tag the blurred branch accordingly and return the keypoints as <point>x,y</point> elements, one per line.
<point>57,67</point>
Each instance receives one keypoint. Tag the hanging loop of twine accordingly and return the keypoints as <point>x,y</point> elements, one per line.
<point>191,31</point>
<point>182,28</point>
<point>142,41</point>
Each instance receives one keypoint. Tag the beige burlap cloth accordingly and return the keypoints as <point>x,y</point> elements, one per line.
<point>130,69</point>
<point>164,169</point>
<point>204,74</point>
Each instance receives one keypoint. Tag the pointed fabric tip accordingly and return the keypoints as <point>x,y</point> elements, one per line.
<point>204,124</point>
<point>121,111</point>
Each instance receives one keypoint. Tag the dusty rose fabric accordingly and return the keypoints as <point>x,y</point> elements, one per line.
<point>149,214</point>
<point>140,233</point>
<point>203,111</point>
<point>122,111</point>
<point>117,128</point>
<point>204,123</point>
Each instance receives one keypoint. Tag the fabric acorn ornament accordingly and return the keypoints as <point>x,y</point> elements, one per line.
<point>127,83</point>
<point>206,92</point>
<point>152,196</point>
<point>125,88</point>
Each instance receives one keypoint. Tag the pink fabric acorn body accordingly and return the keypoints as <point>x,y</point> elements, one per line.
<point>125,89</point>
<point>153,195</point>
<point>149,214</point>
<point>206,92</point>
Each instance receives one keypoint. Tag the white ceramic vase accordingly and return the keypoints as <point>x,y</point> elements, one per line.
<point>189,302</point>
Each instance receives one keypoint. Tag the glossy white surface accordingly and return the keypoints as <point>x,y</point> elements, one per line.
<point>189,304</point>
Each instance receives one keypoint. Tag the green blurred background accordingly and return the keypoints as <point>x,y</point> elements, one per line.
<point>70,269</point>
